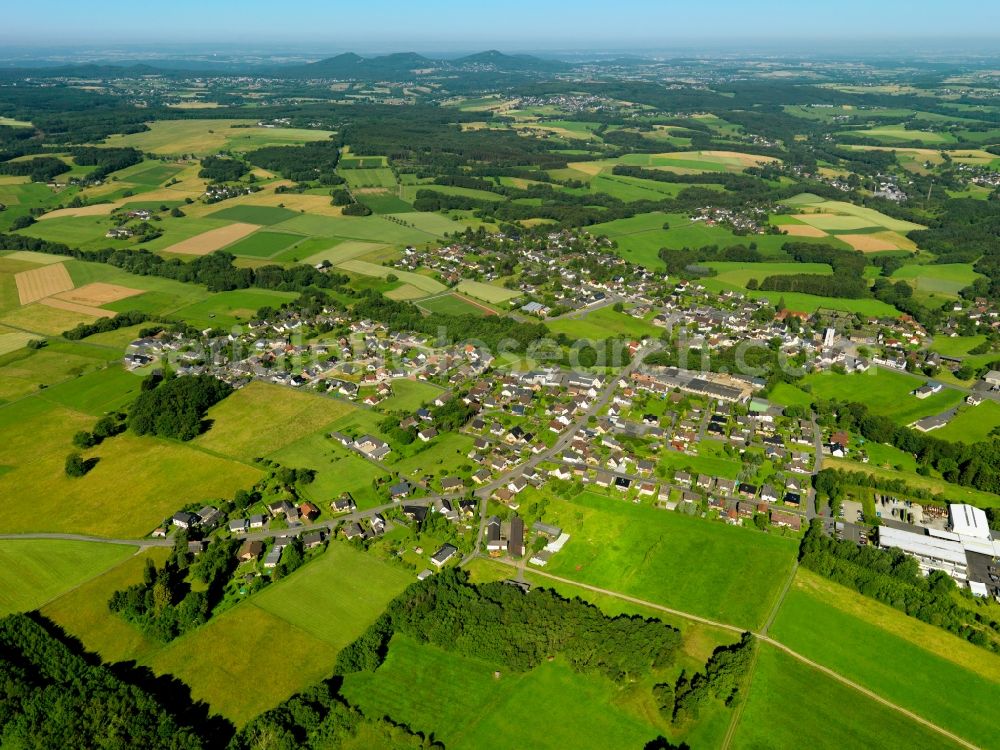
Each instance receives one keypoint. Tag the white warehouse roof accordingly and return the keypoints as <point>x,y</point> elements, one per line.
<point>969,521</point>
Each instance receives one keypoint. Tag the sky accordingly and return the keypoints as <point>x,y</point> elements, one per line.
<point>510,25</point>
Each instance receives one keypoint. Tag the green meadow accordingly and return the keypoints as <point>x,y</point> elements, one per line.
<point>885,392</point>
<point>790,704</point>
<point>33,571</point>
<point>911,663</point>
<point>671,559</point>
<point>464,705</point>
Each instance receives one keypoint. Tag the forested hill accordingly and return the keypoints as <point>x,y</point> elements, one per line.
<point>51,697</point>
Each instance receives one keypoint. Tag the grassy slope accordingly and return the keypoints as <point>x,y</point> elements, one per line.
<point>792,705</point>
<point>648,553</point>
<point>911,663</point>
<point>459,700</point>
<point>33,571</point>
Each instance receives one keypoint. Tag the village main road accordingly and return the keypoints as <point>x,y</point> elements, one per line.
<point>564,440</point>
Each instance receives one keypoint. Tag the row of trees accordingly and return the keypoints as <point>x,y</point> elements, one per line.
<point>490,330</point>
<point>894,578</point>
<point>216,270</point>
<point>974,465</point>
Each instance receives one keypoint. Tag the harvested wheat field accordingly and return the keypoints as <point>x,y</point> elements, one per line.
<point>61,304</point>
<point>42,282</point>
<point>97,294</point>
<point>867,243</point>
<point>802,230</point>
<point>98,209</point>
<point>212,240</point>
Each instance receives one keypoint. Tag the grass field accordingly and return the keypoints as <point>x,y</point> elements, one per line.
<point>453,304</point>
<point>885,392</point>
<point>226,309</point>
<point>364,268</point>
<point>952,492</point>
<point>377,177</point>
<point>793,705</point>
<point>261,418</point>
<point>738,274</point>
<point>487,292</point>
<point>972,424</point>
<point>36,436</point>
<point>947,279</point>
<point>842,216</point>
<point>97,392</point>
<point>409,395</point>
<point>262,215</point>
<point>384,202</point>
<point>672,559</point>
<point>264,244</point>
<point>602,323</point>
<point>33,571</point>
<point>911,663</point>
<point>203,137</point>
<point>337,469</point>
<point>291,633</point>
<point>459,700</point>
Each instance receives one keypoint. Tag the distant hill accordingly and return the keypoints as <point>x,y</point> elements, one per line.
<point>514,63</point>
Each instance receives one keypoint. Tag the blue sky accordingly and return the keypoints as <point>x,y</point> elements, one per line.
<point>438,25</point>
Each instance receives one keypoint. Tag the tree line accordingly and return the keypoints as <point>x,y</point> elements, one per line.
<point>893,577</point>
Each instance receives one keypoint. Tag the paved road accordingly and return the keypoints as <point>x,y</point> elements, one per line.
<point>564,440</point>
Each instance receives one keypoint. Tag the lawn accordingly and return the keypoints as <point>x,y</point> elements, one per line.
<point>790,704</point>
<point>885,392</point>
<point>33,571</point>
<point>264,244</point>
<point>711,569</point>
<point>911,663</point>
<point>409,395</point>
<point>261,418</point>
<point>132,488</point>
<point>459,700</point>
<point>263,215</point>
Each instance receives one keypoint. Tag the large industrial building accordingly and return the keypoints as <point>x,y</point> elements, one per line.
<point>968,551</point>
